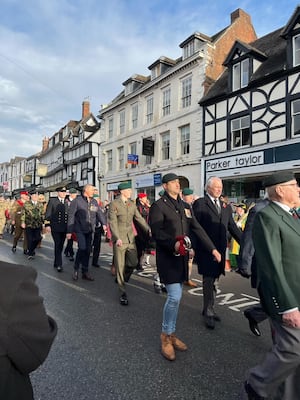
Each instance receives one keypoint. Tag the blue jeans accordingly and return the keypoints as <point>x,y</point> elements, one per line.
<point>171,307</point>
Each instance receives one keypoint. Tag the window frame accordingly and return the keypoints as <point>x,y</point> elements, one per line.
<point>296,50</point>
<point>186,92</point>
<point>240,74</point>
<point>297,115</point>
<point>242,130</point>
<point>166,101</point>
<point>165,145</point>
<point>185,137</point>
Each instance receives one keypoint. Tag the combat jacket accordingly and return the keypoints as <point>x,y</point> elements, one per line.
<point>32,215</point>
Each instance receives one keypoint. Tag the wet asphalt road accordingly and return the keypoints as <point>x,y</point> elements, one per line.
<point>107,351</point>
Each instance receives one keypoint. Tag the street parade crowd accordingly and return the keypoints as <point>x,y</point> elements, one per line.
<point>258,241</point>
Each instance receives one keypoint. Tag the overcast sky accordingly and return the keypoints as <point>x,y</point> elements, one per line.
<point>56,53</point>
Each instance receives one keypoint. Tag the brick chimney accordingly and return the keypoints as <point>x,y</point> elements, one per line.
<point>85,109</point>
<point>239,13</point>
<point>45,144</point>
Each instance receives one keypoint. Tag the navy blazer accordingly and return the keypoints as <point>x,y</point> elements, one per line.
<point>57,215</point>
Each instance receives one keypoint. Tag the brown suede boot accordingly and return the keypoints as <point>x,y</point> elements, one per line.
<point>178,344</point>
<point>167,348</point>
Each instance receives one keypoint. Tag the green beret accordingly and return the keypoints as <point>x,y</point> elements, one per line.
<point>124,185</point>
<point>72,190</point>
<point>169,177</point>
<point>278,177</point>
<point>187,191</point>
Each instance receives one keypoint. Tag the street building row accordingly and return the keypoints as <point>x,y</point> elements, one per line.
<point>228,106</point>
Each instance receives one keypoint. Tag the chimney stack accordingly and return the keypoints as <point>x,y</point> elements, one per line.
<point>85,108</point>
<point>45,144</point>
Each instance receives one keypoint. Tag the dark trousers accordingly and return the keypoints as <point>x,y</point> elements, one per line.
<point>33,238</point>
<point>59,240</point>
<point>84,241</point>
<point>257,313</point>
<point>96,245</point>
<point>209,292</point>
<point>69,248</point>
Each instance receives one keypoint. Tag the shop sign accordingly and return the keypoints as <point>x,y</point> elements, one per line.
<point>233,162</point>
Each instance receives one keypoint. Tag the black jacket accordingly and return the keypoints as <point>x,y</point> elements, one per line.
<point>57,215</point>
<point>169,219</point>
<point>217,227</point>
<point>83,216</point>
<point>26,332</point>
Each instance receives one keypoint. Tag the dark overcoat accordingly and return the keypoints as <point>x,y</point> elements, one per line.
<point>217,227</point>
<point>26,332</point>
<point>276,237</point>
<point>57,215</point>
<point>168,220</point>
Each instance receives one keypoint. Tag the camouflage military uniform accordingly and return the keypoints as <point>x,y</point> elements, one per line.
<point>16,220</point>
<point>3,207</point>
<point>33,217</point>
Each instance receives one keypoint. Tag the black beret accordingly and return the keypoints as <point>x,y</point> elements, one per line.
<point>61,189</point>
<point>278,177</point>
<point>33,191</point>
<point>169,177</point>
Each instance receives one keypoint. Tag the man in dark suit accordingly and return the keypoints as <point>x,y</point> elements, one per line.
<point>56,220</point>
<point>69,250</point>
<point>171,222</point>
<point>27,332</point>
<point>247,266</point>
<point>215,217</point>
<point>276,237</point>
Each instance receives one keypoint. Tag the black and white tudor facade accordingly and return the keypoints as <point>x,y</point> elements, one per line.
<point>251,115</point>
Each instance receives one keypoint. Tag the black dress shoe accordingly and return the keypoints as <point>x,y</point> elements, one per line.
<point>252,324</point>
<point>217,318</point>
<point>87,277</point>
<point>13,249</point>
<point>96,265</point>
<point>252,395</point>
<point>67,255</point>
<point>209,322</point>
<point>71,258</point>
<point>25,252</point>
<point>75,275</point>
<point>124,300</point>
<point>59,268</point>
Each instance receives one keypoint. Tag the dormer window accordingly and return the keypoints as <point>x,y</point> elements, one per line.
<point>188,50</point>
<point>240,74</point>
<point>296,50</point>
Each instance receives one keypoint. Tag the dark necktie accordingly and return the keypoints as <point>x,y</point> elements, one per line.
<point>294,213</point>
<point>217,206</point>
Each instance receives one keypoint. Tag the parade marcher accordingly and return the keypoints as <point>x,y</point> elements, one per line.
<point>216,218</point>
<point>171,222</point>
<point>3,208</point>
<point>84,213</point>
<point>32,219</point>
<point>56,220</point>
<point>188,198</point>
<point>99,230</point>
<point>276,233</point>
<point>240,219</point>
<point>122,214</point>
<point>142,239</point>
<point>69,250</point>
<point>247,266</point>
<point>16,221</point>
<point>27,332</point>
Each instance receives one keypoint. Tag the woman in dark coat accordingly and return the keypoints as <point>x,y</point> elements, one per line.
<point>26,331</point>
<point>171,221</point>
